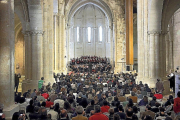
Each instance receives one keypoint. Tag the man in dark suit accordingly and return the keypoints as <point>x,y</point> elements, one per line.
<point>17,76</point>
<point>90,67</point>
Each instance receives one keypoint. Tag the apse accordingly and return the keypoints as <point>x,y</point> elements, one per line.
<point>89,33</point>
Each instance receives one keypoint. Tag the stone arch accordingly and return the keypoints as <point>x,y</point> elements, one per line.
<point>76,5</point>
<point>169,8</point>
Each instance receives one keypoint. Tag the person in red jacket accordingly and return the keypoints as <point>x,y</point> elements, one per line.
<point>45,95</point>
<point>98,115</point>
<point>105,107</point>
<point>176,105</point>
<point>158,95</point>
<point>49,103</point>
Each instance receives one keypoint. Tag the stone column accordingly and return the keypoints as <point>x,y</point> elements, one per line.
<point>153,37</point>
<point>7,40</point>
<point>37,55</point>
<point>170,56</point>
<point>45,42</point>
<point>28,53</point>
<point>167,54</point>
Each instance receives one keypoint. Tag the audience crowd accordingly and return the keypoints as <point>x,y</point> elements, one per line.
<point>96,96</point>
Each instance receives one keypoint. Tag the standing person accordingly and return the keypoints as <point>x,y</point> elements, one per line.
<point>159,86</point>
<point>17,76</point>
<point>176,106</point>
<point>40,83</point>
<point>90,67</point>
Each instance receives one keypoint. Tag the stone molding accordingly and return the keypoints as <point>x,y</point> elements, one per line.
<point>36,32</point>
<point>153,32</point>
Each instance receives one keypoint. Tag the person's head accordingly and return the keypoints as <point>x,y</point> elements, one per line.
<point>43,112</point>
<point>67,106</point>
<point>63,113</point>
<point>178,94</point>
<point>105,103</point>
<point>129,112</point>
<point>161,109</point>
<point>51,107</point>
<point>120,108</point>
<point>158,80</point>
<point>42,78</point>
<point>135,109</point>
<point>130,104</point>
<point>154,98</point>
<point>132,93</point>
<point>115,98</point>
<point>43,104</point>
<point>92,102</point>
<point>148,107</point>
<point>35,90</point>
<point>111,111</point>
<point>56,107</point>
<point>145,98</point>
<point>97,108</point>
<point>31,102</point>
<point>116,117</point>
<point>157,104</point>
<point>79,110</point>
<point>36,109</point>
<point>38,93</point>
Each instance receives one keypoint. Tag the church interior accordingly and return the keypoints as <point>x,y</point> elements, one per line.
<point>41,38</point>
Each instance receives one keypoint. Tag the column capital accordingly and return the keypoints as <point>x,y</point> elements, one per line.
<point>37,32</point>
<point>153,32</point>
<point>26,33</point>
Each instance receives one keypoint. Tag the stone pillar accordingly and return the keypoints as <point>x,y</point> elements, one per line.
<point>7,40</point>
<point>153,37</point>
<point>37,55</point>
<point>56,42</point>
<point>28,53</point>
<point>129,33</point>
<point>45,42</point>
<point>170,56</point>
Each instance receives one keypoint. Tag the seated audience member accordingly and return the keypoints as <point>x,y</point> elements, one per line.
<point>162,114</point>
<point>49,103</point>
<point>116,109</point>
<point>176,106</point>
<point>34,93</point>
<point>64,115</point>
<point>43,114</point>
<point>45,94</point>
<point>168,118</point>
<point>168,107</point>
<point>144,101</point>
<point>129,114</point>
<point>79,98</point>
<point>169,100</point>
<point>39,97</point>
<point>59,101</point>
<point>148,112</point>
<point>116,101</point>
<point>116,117</point>
<point>158,95</point>
<point>111,113</point>
<point>53,96</point>
<point>130,103</point>
<point>155,109</point>
<point>30,107</point>
<point>98,115</point>
<point>90,107</point>
<point>80,112</point>
<point>105,107</point>
<point>28,98</point>
<point>143,91</point>
<point>18,97</point>
<point>36,114</point>
<point>133,97</point>
<point>54,115</point>
<point>84,103</point>
<point>153,102</point>
<point>68,107</point>
<point>36,102</point>
<point>136,112</point>
<point>121,113</point>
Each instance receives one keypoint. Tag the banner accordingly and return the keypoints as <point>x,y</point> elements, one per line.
<point>177,83</point>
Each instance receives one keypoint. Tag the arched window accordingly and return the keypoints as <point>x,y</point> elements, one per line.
<point>77,34</point>
<point>100,33</point>
<point>89,34</point>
